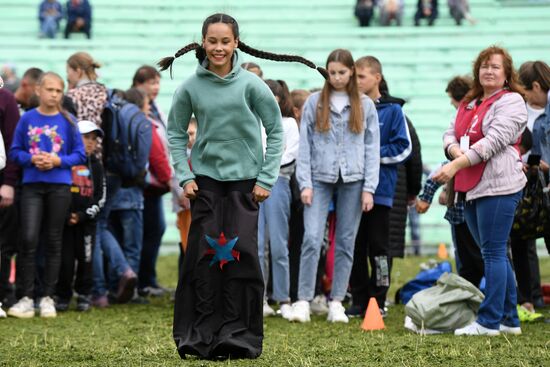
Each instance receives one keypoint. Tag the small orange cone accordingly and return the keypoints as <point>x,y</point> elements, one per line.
<point>373,319</point>
<point>442,251</point>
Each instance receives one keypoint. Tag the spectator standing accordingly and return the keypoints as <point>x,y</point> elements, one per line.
<point>9,177</point>
<point>88,95</point>
<point>79,18</point>
<point>372,245</point>
<point>46,145</point>
<point>274,212</point>
<point>483,145</point>
<point>338,125</point>
<point>88,197</point>
<point>147,79</point>
<point>50,14</point>
<point>9,76</point>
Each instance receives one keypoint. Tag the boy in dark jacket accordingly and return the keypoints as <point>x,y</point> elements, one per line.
<point>88,197</point>
<point>372,240</point>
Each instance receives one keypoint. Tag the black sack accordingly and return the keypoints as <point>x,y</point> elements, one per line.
<point>218,307</point>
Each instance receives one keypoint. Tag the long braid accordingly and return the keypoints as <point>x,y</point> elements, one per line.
<point>167,62</point>
<point>281,57</point>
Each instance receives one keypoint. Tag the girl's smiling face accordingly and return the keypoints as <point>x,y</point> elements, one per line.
<point>220,44</point>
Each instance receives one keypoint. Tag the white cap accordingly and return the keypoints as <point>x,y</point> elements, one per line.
<point>86,126</point>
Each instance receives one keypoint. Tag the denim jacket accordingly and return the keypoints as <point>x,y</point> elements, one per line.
<point>541,134</point>
<point>324,157</point>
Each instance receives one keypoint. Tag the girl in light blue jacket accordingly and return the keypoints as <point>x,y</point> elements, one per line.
<point>339,151</point>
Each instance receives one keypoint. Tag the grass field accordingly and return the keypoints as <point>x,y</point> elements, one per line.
<point>140,335</point>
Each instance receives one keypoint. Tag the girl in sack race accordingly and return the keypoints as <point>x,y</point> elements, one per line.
<point>219,298</point>
<point>486,165</point>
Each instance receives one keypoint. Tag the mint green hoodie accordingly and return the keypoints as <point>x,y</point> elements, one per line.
<point>229,113</point>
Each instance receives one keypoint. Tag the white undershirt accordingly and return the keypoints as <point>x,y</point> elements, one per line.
<point>339,100</point>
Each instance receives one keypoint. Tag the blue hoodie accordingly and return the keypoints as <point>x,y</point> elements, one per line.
<point>36,132</point>
<point>395,148</point>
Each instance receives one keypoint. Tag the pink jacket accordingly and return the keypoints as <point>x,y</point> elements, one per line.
<point>502,126</point>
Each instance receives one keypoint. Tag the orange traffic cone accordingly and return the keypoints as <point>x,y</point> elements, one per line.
<point>442,251</point>
<point>373,319</point>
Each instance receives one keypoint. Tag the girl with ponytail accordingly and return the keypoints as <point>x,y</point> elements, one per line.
<point>46,145</point>
<point>219,299</point>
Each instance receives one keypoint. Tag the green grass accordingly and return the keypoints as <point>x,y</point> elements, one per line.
<point>141,336</point>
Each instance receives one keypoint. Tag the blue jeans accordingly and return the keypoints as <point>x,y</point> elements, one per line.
<point>273,219</point>
<point>154,226</point>
<point>490,221</point>
<point>127,225</point>
<point>106,244</point>
<point>348,216</point>
<point>49,27</point>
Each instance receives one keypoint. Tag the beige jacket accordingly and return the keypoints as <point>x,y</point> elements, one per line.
<point>502,126</point>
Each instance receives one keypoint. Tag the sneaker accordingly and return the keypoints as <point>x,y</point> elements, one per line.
<point>286,311</point>
<point>2,312</point>
<point>62,305</point>
<point>300,312</point>
<point>319,305</point>
<point>268,311</point>
<point>384,312</point>
<point>83,303</point>
<point>476,329</point>
<point>336,312</point>
<point>47,307</point>
<point>100,301</point>
<point>126,286</point>
<point>355,311</point>
<point>525,315</point>
<point>23,309</point>
<point>154,291</point>
<point>513,330</point>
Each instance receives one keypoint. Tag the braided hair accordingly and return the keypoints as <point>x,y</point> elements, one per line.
<point>200,53</point>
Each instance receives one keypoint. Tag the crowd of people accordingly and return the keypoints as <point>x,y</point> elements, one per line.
<point>288,196</point>
<point>392,11</point>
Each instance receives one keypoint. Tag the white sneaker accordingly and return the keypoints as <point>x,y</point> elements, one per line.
<point>23,309</point>
<point>319,305</point>
<point>476,329</point>
<point>268,311</point>
<point>286,311</point>
<point>2,312</point>
<point>337,312</point>
<point>47,307</point>
<point>300,312</point>
<point>514,330</point>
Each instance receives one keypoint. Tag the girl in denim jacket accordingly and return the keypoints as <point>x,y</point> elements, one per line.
<point>339,152</point>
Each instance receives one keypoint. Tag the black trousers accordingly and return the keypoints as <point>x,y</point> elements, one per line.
<point>526,268</point>
<point>372,247</point>
<point>9,225</point>
<point>51,203</point>
<point>469,253</point>
<point>219,298</point>
<point>78,245</point>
